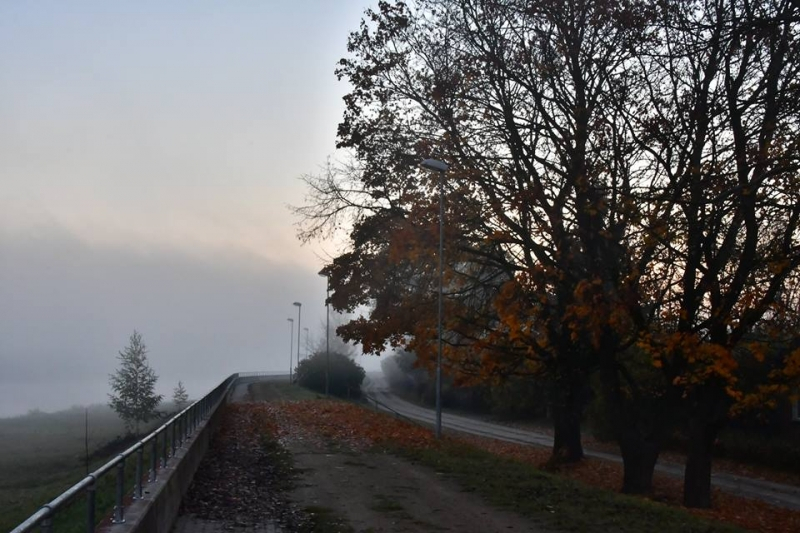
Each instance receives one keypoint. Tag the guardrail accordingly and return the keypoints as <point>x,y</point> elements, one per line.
<point>380,405</point>
<point>163,442</point>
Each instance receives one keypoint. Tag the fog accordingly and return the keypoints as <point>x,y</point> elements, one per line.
<point>148,153</point>
<point>69,307</point>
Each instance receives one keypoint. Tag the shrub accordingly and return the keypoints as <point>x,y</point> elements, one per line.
<point>345,375</point>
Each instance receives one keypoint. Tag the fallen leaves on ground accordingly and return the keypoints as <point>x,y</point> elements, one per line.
<point>750,514</point>
<point>345,424</point>
<point>342,423</point>
<point>243,477</point>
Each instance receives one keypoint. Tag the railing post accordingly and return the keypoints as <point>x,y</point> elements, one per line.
<point>47,524</point>
<point>119,511</point>
<point>180,430</point>
<point>91,504</point>
<point>137,487</point>
<point>174,443</point>
<point>164,454</point>
<point>154,459</point>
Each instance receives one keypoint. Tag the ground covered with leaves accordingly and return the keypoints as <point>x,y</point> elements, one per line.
<point>245,476</point>
<point>361,429</point>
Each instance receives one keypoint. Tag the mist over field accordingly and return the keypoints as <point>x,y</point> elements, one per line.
<point>148,156</point>
<point>69,307</point>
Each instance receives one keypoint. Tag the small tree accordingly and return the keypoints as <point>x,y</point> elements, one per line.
<point>133,385</point>
<point>179,396</point>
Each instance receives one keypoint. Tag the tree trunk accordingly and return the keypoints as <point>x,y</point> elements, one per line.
<point>639,456</point>
<point>567,406</point>
<point>638,430</point>
<point>697,477</point>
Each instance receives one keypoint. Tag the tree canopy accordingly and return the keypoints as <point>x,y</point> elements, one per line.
<point>623,184</point>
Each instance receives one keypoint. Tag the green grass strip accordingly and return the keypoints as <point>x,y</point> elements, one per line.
<point>554,501</point>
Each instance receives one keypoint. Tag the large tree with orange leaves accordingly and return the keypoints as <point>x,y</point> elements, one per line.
<point>720,133</point>
<point>621,172</point>
<point>523,99</point>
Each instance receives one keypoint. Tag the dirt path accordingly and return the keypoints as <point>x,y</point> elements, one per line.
<point>383,493</point>
<point>247,487</point>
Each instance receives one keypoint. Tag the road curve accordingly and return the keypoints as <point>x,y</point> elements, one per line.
<point>778,494</point>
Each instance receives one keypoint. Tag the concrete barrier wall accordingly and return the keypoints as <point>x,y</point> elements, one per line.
<point>158,509</point>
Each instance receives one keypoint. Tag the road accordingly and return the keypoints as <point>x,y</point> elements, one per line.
<point>778,494</point>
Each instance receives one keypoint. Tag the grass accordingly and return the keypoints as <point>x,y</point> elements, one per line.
<point>556,502</point>
<point>43,454</point>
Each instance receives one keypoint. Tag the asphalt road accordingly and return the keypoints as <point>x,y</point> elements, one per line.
<point>778,494</point>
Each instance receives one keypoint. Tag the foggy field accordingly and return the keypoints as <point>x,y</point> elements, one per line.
<point>42,454</point>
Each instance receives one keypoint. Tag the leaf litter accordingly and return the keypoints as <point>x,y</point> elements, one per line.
<point>247,472</point>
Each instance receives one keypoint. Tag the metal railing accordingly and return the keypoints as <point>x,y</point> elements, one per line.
<point>164,442</point>
<point>380,406</point>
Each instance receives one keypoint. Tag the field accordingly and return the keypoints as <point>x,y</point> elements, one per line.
<point>43,454</point>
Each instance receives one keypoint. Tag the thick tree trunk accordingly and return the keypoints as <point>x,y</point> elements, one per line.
<point>697,477</point>
<point>639,457</point>
<point>638,432</point>
<point>567,408</point>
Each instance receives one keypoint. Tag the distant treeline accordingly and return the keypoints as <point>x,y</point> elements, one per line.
<point>514,397</point>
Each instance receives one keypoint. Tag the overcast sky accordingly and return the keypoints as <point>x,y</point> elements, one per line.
<point>148,152</point>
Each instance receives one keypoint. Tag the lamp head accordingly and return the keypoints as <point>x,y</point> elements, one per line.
<point>435,164</point>
<point>298,304</point>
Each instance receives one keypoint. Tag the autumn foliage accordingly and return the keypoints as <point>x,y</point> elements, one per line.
<point>622,187</point>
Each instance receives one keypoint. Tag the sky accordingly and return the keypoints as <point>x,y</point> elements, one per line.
<point>149,152</point>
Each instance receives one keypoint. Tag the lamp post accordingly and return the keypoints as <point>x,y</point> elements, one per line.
<point>291,346</point>
<point>299,306</point>
<point>327,332</point>
<point>440,167</point>
<point>306,330</point>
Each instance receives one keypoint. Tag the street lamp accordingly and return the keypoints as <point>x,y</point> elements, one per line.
<point>306,330</point>
<point>440,167</point>
<point>299,305</point>
<point>327,331</point>
<point>291,346</point>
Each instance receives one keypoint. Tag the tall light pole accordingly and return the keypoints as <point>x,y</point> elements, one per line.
<point>306,330</point>
<point>299,306</point>
<point>291,346</point>
<point>327,332</point>
<point>440,167</point>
